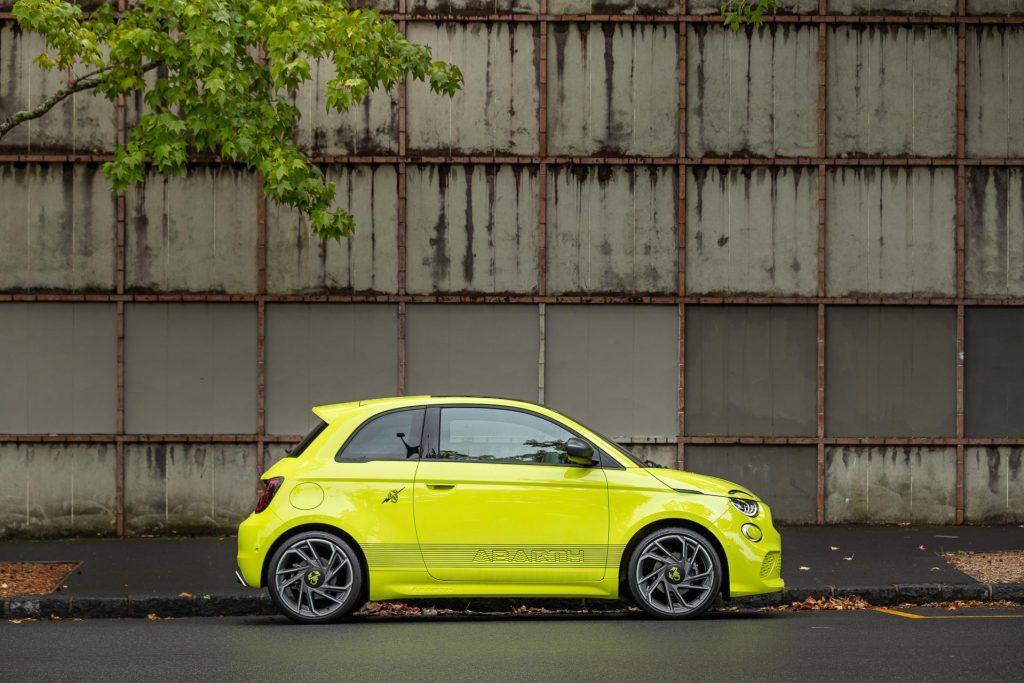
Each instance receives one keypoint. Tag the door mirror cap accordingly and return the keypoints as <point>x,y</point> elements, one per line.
<point>580,452</point>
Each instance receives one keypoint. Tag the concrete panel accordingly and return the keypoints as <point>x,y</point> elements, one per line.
<point>751,370</point>
<point>994,485</point>
<point>300,263</point>
<point>83,123</point>
<point>891,231</point>
<point>785,7</point>
<point>918,7</point>
<point>890,484</point>
<point>994,372</point>
<point>475,6</point>
<point>752,230</point>
<point>613,6</point>
<point>472,229</point>
<point>57,489</point>
<point>612,229</point>
<point>785,477</point>
<point>193,234</point>
<point>665,454</point>
<point>994,226</point>
<point>487,350</point>
<point>613,367</point>
<point>995,91</point>
<point>753,93</point>
<point>190,368</point>
<point>370,127</point>
<point>327,353</point>
<point>891,91</point>
<point>56,228</point>
<point>890,371</point>
<point>188,488</point>
<point>612,89</point>
<point>497,111</point>
<point>58,373</point>
<point>997,7</point>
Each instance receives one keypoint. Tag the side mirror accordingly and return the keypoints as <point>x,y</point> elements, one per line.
<point>580,452</point>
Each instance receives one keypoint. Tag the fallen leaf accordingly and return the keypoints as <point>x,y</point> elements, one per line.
<point>902,523</point>
<point>805,569</point>
<point>833,547</point>
<point>935,569</point>
<point>15,621</point>
<point>152,617</point>
<point>184,595</point>
<point>921,547</point>
<point>3,585</point>
<point>848,558</point>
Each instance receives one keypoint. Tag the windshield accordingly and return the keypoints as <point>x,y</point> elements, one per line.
<point>296,450</point>
<point>623,450</point>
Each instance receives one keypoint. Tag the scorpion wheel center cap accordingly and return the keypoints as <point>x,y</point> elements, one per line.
<point>673,574</point>
<point>313,577</point>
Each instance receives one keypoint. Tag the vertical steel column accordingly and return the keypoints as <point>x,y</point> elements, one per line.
<point>681,241</point>
<point>542,151</point>
<point>961,153</point>
<point>119,261</point>
<point>402,223</point>
<point>261,320</point>
<point>820,375</point>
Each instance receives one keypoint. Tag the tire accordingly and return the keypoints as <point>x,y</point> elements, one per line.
<point>315,578</point>
<point>674,573</point>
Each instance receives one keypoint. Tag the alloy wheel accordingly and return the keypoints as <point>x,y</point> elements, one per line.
<point>675,574</point>
<point>314,578</point>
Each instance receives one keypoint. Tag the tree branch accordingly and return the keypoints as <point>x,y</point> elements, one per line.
<point>90,80</point>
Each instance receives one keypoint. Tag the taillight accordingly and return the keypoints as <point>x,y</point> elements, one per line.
<point>270,487</point>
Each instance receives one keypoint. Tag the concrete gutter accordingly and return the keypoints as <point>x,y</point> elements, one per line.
<point>258,604</point>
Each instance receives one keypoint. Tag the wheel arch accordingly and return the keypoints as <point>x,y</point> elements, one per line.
<point>665,523</point>
<point>326,528</point>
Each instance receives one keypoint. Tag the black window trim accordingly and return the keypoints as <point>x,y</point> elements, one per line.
<point>429,448</point>
<point>373,418</point>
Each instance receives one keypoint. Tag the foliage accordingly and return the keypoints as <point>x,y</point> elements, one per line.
<point>737,12</point>
<point>215,76</point>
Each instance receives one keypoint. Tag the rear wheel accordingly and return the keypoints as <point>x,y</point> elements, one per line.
<point>674,573</point>
<point>315,577</point>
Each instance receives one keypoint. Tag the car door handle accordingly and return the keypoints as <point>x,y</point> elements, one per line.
<point>440,487</point>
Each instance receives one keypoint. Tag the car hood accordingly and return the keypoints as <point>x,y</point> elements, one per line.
<point>701,483</point>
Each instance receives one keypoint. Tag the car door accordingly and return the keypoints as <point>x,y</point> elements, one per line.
<point>372,481</point>
<point>497,500</point>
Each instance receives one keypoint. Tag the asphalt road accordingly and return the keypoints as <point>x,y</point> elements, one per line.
<point>861,646</point>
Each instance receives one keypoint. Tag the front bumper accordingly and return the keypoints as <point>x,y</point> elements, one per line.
<point>755,567</point>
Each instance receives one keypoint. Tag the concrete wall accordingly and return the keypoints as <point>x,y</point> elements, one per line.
<point>604,96</point>
<point>752,230</point>
<point>472,229</point>
<point>751,370</point>
<point>891,231</point>
<point>58,228</point>
<point>608,228</point>
<point>523,239</point>
<point>300,263</point>
<point>889,91</point>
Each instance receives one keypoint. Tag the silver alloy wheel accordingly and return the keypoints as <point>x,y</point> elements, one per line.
<point>314,577</point>
<point>674,574</point>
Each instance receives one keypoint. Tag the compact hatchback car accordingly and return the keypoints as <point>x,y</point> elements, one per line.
<point>424,496</point>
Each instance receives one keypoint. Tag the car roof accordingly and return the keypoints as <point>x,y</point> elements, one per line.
<point>329,413</point>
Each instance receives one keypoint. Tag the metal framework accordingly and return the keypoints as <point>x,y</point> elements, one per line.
<point>679,298</point>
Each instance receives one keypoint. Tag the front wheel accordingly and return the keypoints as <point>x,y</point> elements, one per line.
<point>315,578</point>
<point>674,573</point>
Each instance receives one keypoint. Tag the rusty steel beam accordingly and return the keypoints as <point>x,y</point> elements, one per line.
<point>542,149</point>
<point>666,299</point>
<point>819,421</point>
<point>961,198</point>
<point>681,248</point>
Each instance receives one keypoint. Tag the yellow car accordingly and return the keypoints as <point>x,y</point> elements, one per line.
<point>427,496</point>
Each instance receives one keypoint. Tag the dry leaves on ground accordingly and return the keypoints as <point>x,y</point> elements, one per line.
<point>1001,567</point>
<point>813,604</point>
<point>31,578</point>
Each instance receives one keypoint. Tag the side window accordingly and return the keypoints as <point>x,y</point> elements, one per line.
<point>391,436</point>
<point>505,436</point>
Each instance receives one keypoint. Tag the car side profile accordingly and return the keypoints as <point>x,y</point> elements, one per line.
<point>426,496</point>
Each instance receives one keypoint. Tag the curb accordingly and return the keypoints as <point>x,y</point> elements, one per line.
<point>214,605</point>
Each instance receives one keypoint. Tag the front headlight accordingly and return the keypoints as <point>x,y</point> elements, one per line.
<point>748,507</point>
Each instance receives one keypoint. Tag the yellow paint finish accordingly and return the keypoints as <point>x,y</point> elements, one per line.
<point>479,529</point>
